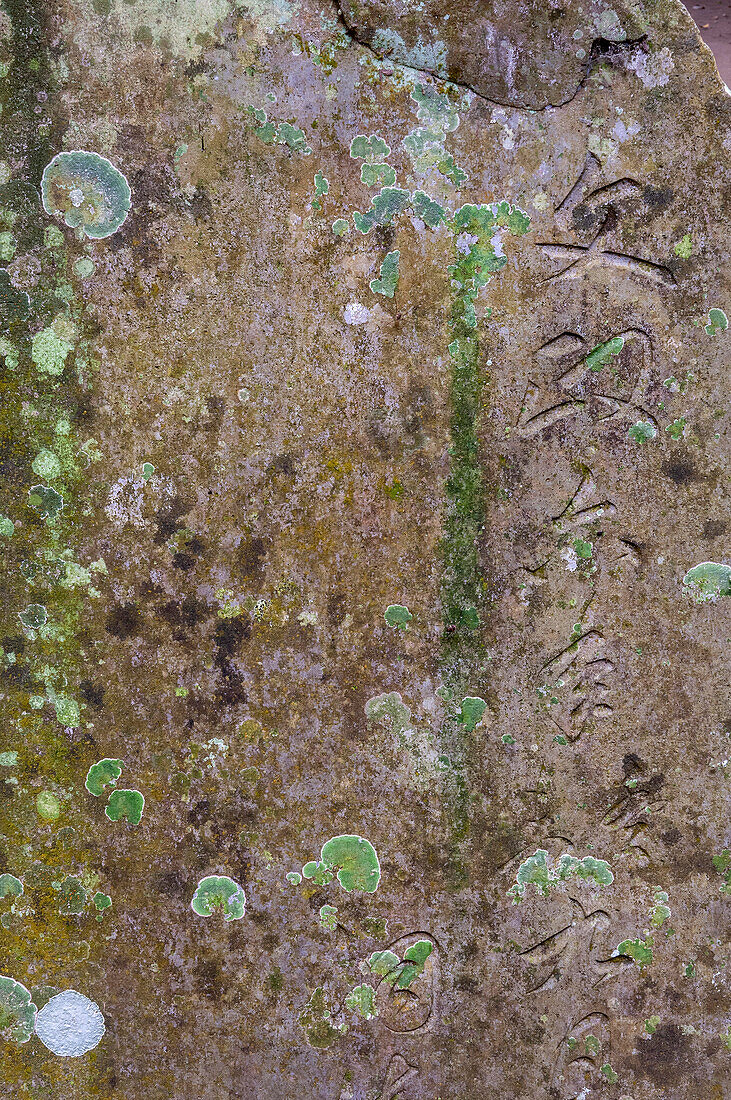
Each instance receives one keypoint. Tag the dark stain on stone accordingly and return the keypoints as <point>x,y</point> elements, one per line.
<point>168,520</point>
<point>681,471</point>
<point>171,883</point>
<point>123,621</point>
<point>228,636</point>
<point>285,464</point>
<point>93,694</point>
<point>250,556</point>
<point>665,1057</point>
<point>200,813</point>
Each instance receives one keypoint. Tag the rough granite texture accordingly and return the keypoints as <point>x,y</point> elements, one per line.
<point>349,485</point>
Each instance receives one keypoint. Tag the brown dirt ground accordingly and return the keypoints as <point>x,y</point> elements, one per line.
<point>714,19</point>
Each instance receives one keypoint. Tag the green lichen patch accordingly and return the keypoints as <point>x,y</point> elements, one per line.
<point>660,911</point>
<point>398,616</point>
<point>722,864</point>
<point>316,1021</point>
<point>638,950</point>
<point>435,108</point>
<point>328,917</point>
<point>608,1073</point>
<point>72,896</point>
<point>388,280</point>
<point>429,210</point>
<point>317,873</point>
<point>219,892</point>
<point>34,617</point>
<point>7,527</point>
<point>355,862</point>
<point>294,878</point>
<point>84,267</point>
<point>285,133</point>
<point>583,548</point>
<point>340,227</point>
<point>413,963</point>
<point>87,191</point>
<point>377,175</point>
<point>684,247</point>
<point>708,580</point>
<point>602,354</point>
<point>67,710</point>
<point>125,804</point>
<point>362,1000</point>
<point>48,805</point>
<point>651,1024</point>
<point>385,206</point>
<point>104,773</point>
<point>52,345</point>
<point>322,186</point>
<point>101,902</point>
<point>10,886</point>
<point>46,500</point>
<point>147,471</point>
<point>642,432</point>
<point>677,428</point>
<point>471,711</point>
<point>401,973</point>
<point>537,872</point>
<point>369,148</point>
<point>384,963</point>
<point>17,1011</point>
<point>46,465</point>
<point>389,710</point>
<point>717,322</point>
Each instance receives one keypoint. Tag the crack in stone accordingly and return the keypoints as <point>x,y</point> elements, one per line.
<point>600,47</point>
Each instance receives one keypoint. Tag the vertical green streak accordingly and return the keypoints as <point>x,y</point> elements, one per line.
<point>463,585</point>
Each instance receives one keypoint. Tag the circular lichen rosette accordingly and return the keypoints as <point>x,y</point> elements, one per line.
<point>87,191</point>
<point>17,1011</point>
<point>70,1025</point>
<point>355,862</point>
<point>219,892</point>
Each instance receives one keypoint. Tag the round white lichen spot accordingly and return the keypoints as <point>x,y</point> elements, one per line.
<point>356,313</point>
<point>70,1024</point>
<point>77,196</point>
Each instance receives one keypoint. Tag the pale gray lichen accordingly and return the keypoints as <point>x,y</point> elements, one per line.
<point>70,1024</point>
<point>87,191</point>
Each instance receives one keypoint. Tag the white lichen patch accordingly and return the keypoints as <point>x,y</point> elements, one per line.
<point>653,69</point>
<point>182,27</point>
<point>356,313</point>
<point>70,1024</point>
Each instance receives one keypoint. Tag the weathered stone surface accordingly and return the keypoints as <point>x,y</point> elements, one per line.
<point>354,486</point>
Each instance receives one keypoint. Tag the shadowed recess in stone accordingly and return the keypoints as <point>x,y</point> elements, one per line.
<point>87,191</point>
<point>219,892</point>
<point>70,1024</point>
